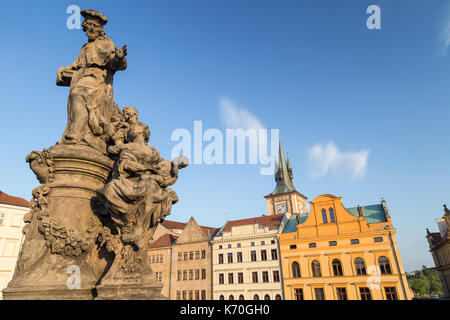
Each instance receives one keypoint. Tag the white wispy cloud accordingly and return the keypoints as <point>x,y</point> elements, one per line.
<point>444,36</point>
<point>347,165</point>
<point>236,117</point>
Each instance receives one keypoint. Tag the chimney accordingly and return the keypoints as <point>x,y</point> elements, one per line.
<point>360,211</point>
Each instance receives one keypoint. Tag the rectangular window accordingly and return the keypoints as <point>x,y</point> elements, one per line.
<point>220,258</point>
<point>197,255</point>
<point>203,274</point>
<point>191,255</point>
<point>197,295</point>
<point>190,294</point>
<point>184,274</point>
<point>341,293</point>
<point>178,295</point>
<point>252,244</point>
<point>265,276</point>
<point>221,278</point>
<point>161,258</point>
<point>318,292</point>
<point>184,295</point>
<point>185,255</point>
<point>238,245</point>
<point>230,278</point>
<point>354,241</point>
<point>179,256</point>
<point>253,255</point>
<point>263,243</point>
<point>230,257</point>
<point>160,277</point>
<point>255,277</point>
<point>240,277</point>
<point>274,254</point>
<point>293,246</point>
<point>332,243</point>
<point>179,275</point>
<point>220,246</point>
<point>197,274</point>
<point>365,293</point>
<point>378,239</point>
<point>229,245</point>
<point>312,245</point>
<point>203,294</point>
<point>276,276</point>
<point>2,218</point>
<point>191,274</point>
<point>298,294</point>
<point>203,254</point>
<point>157,259</point>
<point>239,257</point>
<point>272,241</point>
<point>391,294</point>
<point>263,255</point>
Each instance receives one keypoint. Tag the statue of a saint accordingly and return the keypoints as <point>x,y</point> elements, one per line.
<point>90,103</point>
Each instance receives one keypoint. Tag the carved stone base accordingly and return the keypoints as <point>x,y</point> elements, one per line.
<point>46,293</point>
<point>130,291</point>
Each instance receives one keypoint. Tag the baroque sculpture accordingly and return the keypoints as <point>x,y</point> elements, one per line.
<point>103,190</point>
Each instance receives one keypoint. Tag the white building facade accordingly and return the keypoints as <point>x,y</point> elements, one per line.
<point>246,259</point>
<point>12,211</point>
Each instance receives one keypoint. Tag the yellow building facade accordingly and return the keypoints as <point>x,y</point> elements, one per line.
<point>334,253</point>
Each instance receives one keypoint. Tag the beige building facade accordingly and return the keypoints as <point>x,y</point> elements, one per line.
<point>181,260</point>
<point>246,259</point>
<point>439,243</point>
<point>12,211</point>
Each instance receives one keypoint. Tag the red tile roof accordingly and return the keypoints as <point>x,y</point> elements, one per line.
<point>14,201</point>
<point>273,222</point>
<point>180,226</point>
<point>163,241</point>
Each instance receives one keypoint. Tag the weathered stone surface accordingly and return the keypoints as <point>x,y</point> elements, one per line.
<point>103,191</point>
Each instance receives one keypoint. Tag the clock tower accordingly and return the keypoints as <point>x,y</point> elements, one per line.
<point>285,198</point>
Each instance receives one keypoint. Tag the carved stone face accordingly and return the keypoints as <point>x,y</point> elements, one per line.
<point>130,115</point>
<point>92,28</point>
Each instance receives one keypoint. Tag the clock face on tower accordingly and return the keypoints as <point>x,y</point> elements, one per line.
<point>281,207</point>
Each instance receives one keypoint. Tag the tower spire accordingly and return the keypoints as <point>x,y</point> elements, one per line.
<point>283,174</point>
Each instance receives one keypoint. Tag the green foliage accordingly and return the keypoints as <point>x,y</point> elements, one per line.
<point>425,281</point>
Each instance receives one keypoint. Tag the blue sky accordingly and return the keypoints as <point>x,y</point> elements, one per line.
<point>309,68</point>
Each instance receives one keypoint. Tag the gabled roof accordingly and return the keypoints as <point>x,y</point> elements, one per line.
<point>13,201</point>
<point>180,226</point>
<point>165,240</point>
<point>373,213</point>
<point>273,222</point>
<point>291,225</point>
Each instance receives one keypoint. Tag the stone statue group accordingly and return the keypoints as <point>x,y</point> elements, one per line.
<point>103,189</point>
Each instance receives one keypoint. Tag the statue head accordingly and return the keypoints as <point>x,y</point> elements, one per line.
<point>130,115</point>
<point>138,131</point>
<point>93,24</point>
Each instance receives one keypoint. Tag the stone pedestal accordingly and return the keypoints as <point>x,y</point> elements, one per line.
<point>60,239</point>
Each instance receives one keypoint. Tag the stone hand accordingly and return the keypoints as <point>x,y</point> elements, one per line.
<point>120,54</point>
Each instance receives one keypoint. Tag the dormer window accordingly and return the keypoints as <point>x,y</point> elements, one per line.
<point>324,216</point>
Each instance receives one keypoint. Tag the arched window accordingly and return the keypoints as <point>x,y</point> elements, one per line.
<point>360,266</point>
<point>331,212</point>
<point>295,270</point>
<point>231,297</point>
<point>316,268</point>
<point>241,297</point>
<point>266,297</point>
<point>221,297</point>
<point>324,216</point>
<point>385,267</point>
<point>277,297</point>
<point>337,267</point>
<point>255,297</point>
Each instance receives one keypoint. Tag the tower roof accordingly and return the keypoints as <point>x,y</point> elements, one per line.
<point>283,174</point>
